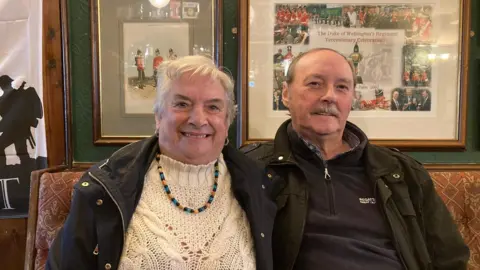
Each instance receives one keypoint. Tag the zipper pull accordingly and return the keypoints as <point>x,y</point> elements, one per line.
<point>95,251</point>
<point>327,175</point>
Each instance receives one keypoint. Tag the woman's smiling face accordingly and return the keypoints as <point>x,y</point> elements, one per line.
<point>193,126</point>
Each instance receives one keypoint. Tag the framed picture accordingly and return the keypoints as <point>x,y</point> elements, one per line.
<point>410,61</point>
<point>130,39</point>
<point>140,63</point>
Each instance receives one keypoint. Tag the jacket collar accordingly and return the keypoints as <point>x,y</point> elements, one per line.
<point>282,150</point>
<point>124,172</point>
<point>378,160</point>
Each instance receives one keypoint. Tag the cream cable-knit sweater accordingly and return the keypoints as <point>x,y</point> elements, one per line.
<point>161,236</point>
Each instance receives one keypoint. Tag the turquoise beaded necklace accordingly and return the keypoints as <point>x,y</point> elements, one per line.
<point>175,201</point>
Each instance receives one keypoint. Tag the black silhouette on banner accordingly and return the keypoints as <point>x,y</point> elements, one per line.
<point>20,111</point>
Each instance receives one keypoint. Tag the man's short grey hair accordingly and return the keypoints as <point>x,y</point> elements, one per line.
<point>195,65</point>
<point>291,68</point>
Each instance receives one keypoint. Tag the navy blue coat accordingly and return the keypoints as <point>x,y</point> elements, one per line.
<point>106,196</point>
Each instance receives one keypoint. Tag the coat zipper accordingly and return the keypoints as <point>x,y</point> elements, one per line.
<point>113,199</point>
<point>95,251</point>
<point>330,190</point>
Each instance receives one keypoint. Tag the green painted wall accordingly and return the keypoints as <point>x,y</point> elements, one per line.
<point>80,53</point>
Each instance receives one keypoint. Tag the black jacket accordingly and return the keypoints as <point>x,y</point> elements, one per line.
<point>424,232</point>
<point>106,196</point>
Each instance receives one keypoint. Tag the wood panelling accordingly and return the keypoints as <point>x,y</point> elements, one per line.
<point>451,167</point>
<point>13,236</point>
<point>53,83</point>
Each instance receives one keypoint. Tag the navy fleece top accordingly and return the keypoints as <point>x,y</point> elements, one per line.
<point>345,228</point>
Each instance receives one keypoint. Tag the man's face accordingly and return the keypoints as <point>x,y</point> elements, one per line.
<point>320,97</point>
<point>395,95</point>
<point>193,125</point>
<point>424,94</point>
<point>409,92</point>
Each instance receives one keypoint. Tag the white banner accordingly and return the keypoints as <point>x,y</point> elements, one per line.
<point>22,126</point>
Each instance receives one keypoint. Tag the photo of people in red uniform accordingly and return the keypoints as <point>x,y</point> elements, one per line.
<point>292,24</point>
<point>417,69</point>
<point>409,17</point>
<point>153,60</point>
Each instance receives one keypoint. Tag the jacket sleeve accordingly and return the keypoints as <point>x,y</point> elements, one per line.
<point>73,248</point>
<point>445,244</point>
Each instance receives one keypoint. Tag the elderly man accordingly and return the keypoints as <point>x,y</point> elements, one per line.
<point>342,202</point>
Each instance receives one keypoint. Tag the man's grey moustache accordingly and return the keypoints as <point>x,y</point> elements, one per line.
<point>332,112</point>
<point>324,113</point>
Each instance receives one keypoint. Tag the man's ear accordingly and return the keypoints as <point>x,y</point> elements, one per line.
<point>285,95</point>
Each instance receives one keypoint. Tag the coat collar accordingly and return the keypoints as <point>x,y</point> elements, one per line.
<point>282,148</point>
<point>379,161</point>
<point>123,174</point>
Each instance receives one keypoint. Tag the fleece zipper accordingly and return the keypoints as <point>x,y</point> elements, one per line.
<point>330,190</point>
<point>328,181</point>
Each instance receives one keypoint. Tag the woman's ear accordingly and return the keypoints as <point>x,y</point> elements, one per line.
<point>157,121</point>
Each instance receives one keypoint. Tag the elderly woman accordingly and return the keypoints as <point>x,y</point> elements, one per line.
<point>181,199</point>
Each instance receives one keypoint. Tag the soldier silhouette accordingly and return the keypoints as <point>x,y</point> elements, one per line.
<point>20,110</point>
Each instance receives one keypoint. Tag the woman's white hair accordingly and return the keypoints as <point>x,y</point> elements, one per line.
<point>195,65</point>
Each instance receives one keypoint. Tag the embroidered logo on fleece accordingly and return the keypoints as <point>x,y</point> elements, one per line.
<point>367,200</point>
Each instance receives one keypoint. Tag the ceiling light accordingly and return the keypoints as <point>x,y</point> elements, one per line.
<point>159,3</point>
